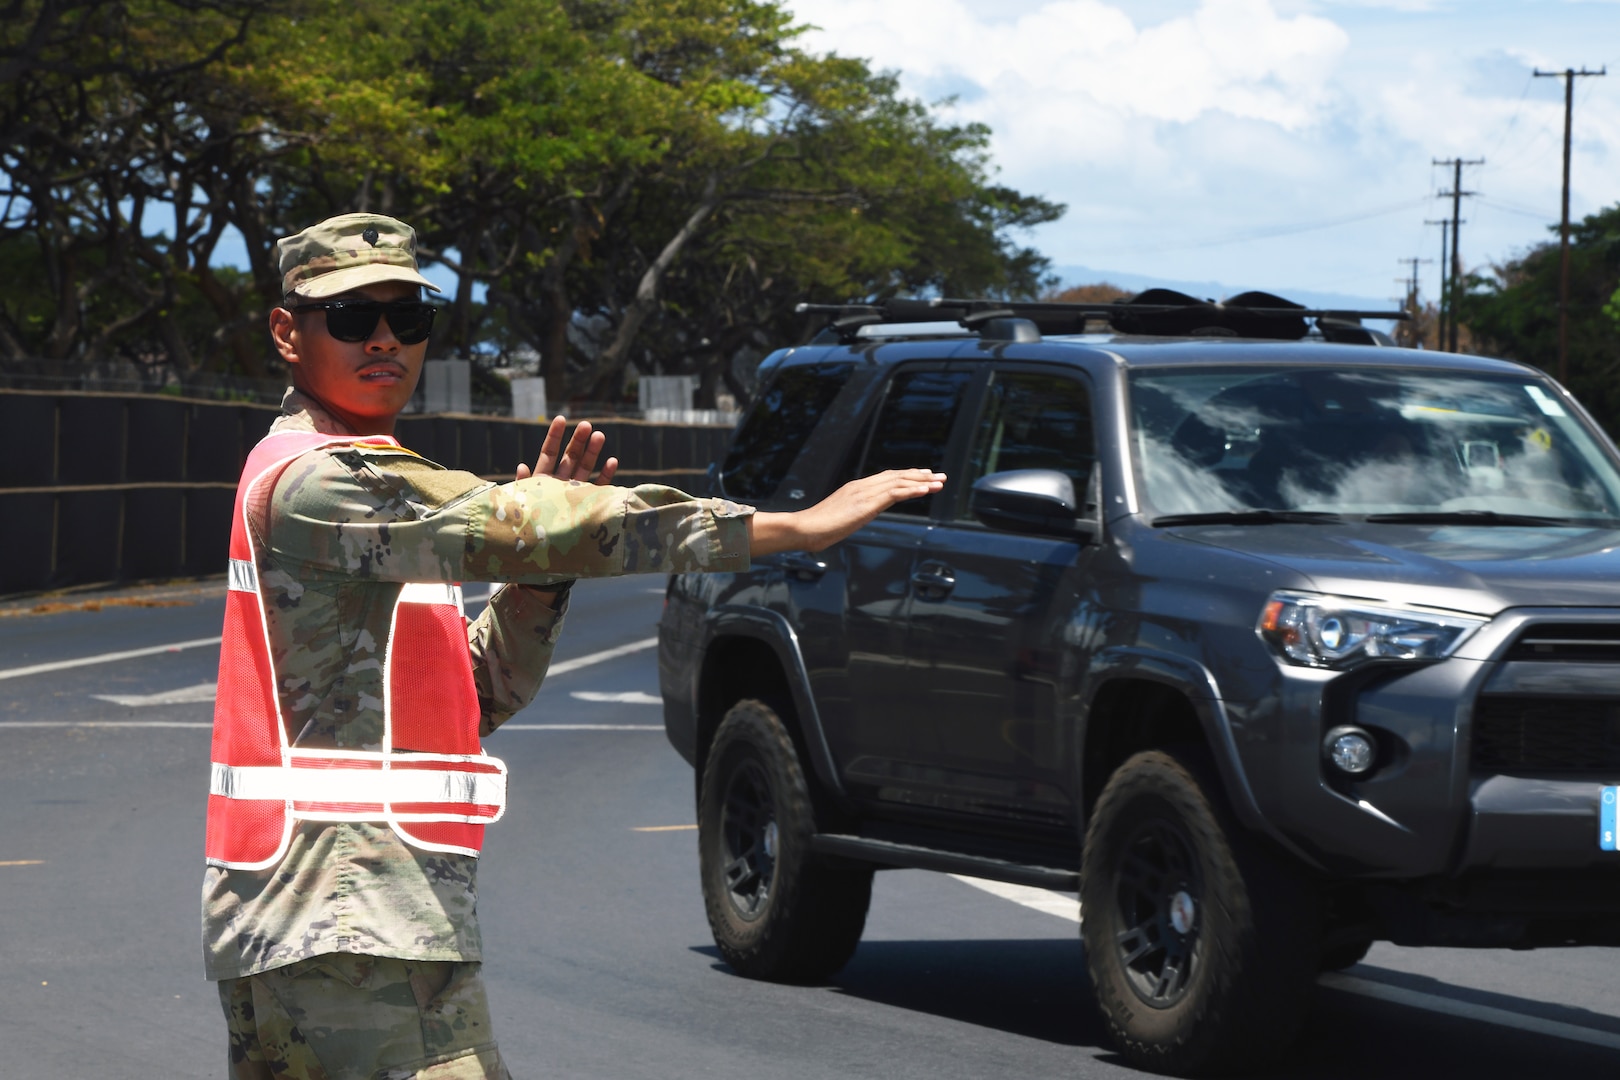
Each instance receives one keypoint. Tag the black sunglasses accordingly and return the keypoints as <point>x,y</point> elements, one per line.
<point>356,320</point>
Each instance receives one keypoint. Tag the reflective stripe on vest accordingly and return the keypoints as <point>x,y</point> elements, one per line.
<point>431,782</point>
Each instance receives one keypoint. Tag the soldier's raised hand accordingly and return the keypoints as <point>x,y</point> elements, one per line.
<point>577,461</point>
<point>841,513</point>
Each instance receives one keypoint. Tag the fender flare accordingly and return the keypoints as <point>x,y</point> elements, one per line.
<point>772,628</point>
<point>1197,684</point>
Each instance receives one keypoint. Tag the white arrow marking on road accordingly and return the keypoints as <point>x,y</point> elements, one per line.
<point>626,697</point>
<point>112,657</point>
<point>188,695</point>
<point>1068,907</point>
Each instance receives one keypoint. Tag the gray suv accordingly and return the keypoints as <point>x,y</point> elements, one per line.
<point>1270,639</point>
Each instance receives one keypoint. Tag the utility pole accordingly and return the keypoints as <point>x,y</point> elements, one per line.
<point>1411,330</point>
<point>1569,75</point>
<point>1445,290</point>
<point>1456,194</point>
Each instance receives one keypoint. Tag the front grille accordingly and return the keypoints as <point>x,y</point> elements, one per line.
<point>1538,734</point>
<point>1570,642</point>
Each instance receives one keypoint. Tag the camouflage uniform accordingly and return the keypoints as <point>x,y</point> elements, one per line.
<point>347,526</point>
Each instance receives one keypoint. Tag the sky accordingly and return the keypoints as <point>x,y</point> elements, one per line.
<point>1276,144</point>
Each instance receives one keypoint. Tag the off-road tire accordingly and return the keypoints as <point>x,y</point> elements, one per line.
<point>1162,855</point>
<point>776,910</point>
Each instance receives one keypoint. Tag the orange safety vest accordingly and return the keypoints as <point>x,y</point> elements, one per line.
<point>431,781</point>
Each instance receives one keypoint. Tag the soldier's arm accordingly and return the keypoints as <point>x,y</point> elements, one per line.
<point>511,644</point>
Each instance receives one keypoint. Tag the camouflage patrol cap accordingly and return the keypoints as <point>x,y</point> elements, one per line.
<point>346,252</point>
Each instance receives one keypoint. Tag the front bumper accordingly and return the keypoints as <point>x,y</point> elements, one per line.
<point>1448,797</point>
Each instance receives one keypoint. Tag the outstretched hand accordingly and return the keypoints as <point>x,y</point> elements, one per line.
<point>841,513</point>
<point>577,461</point>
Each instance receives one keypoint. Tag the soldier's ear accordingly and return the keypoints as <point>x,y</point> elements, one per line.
<point>281,334</point>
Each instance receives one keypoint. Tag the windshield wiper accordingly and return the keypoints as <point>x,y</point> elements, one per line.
<point>1250,517</point>
<point>1486,517</point>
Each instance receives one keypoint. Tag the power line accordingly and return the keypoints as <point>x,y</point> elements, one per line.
<point>1569,75</point>
<point>1272,232</point>
<point>1456,195</point>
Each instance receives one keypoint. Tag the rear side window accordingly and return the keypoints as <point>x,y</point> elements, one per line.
<point>914,426</point>
<point>777,426</point>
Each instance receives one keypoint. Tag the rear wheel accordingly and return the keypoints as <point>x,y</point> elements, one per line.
<point>1201,946</point>
<point>776,910</point>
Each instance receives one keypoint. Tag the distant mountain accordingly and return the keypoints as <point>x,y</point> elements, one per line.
<point>1214,290</point>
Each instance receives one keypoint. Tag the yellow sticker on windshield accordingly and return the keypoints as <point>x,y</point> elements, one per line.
<point>1541,438</point>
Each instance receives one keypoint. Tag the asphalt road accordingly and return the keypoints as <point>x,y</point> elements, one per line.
<point>598,958</point>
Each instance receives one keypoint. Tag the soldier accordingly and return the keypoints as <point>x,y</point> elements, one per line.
<point>349,792</point>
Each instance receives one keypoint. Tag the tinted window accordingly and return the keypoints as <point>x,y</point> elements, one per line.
<point>914,426</point>
<point>777,426</point>
<point>1033,421</point>
<point>1371,441</point>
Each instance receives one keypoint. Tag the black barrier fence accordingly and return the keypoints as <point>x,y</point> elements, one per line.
<point>99,488</point>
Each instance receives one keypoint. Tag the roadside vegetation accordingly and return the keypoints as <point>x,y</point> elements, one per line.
<point>652,183</point>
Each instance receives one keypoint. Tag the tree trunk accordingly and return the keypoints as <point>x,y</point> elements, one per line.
<point>610,362</point>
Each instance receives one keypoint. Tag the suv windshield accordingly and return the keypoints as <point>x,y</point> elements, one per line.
<point>1214,441</point>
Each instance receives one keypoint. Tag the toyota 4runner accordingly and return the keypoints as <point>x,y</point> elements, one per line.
<point>1268,638</point>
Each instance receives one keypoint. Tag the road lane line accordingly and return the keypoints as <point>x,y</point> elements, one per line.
<point>186,695</point>
<point>580,727</point>
<point>625,697</point>
<point>1067,907</point>
<point>23,862</point>
<point>1062,905</point>
<point>655,828</point>
<point>129,654</point>
<point>203,724</point>
<point>1466,1010</point>
<point>596,658</point>
<point>113,657</point>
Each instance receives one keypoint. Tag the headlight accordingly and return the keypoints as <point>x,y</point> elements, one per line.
<point>1337,632</point>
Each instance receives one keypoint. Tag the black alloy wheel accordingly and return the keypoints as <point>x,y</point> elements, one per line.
<point>1201,944</point>
<point>1159,895</point>
<point>749,838</point>
<point>777,910</point>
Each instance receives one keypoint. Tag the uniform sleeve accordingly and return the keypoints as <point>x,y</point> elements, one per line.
<point>389,516</point>
<point>511,645</point>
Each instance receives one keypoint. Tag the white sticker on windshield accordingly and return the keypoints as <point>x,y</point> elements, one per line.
<point>1543,402</point>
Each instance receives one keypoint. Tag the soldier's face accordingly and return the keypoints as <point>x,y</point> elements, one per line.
<point>364,383</point>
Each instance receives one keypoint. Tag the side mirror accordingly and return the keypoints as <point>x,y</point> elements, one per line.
<point>1037,501</point>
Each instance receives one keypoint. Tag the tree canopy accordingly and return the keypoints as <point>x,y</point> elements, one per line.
<point>609,181</point>
<point>1513,311</point>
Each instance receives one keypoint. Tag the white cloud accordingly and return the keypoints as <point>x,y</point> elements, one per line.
<point>1166,124</point>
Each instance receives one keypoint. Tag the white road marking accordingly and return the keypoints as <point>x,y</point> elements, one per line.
<point>109,658</point>
<point>204,724</point>
<point>1067,906</point>
<point>1063,905</point>
<point>596,658</point>
<point>186,695</point>
<point>1417,999</point>
<point>581,727</point>
<point>625,697</point>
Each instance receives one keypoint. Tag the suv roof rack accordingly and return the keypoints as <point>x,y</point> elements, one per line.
<point>1153,312</point>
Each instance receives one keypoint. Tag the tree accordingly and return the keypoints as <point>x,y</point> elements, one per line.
<point>1513,311</point>
<point>673,175</point>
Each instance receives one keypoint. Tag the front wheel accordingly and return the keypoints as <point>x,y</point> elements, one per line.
<point>777,911</point>
<point>1200,945</point>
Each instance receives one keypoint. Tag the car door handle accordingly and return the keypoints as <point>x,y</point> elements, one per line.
<point>934,582</point>
<point>803,567</point>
